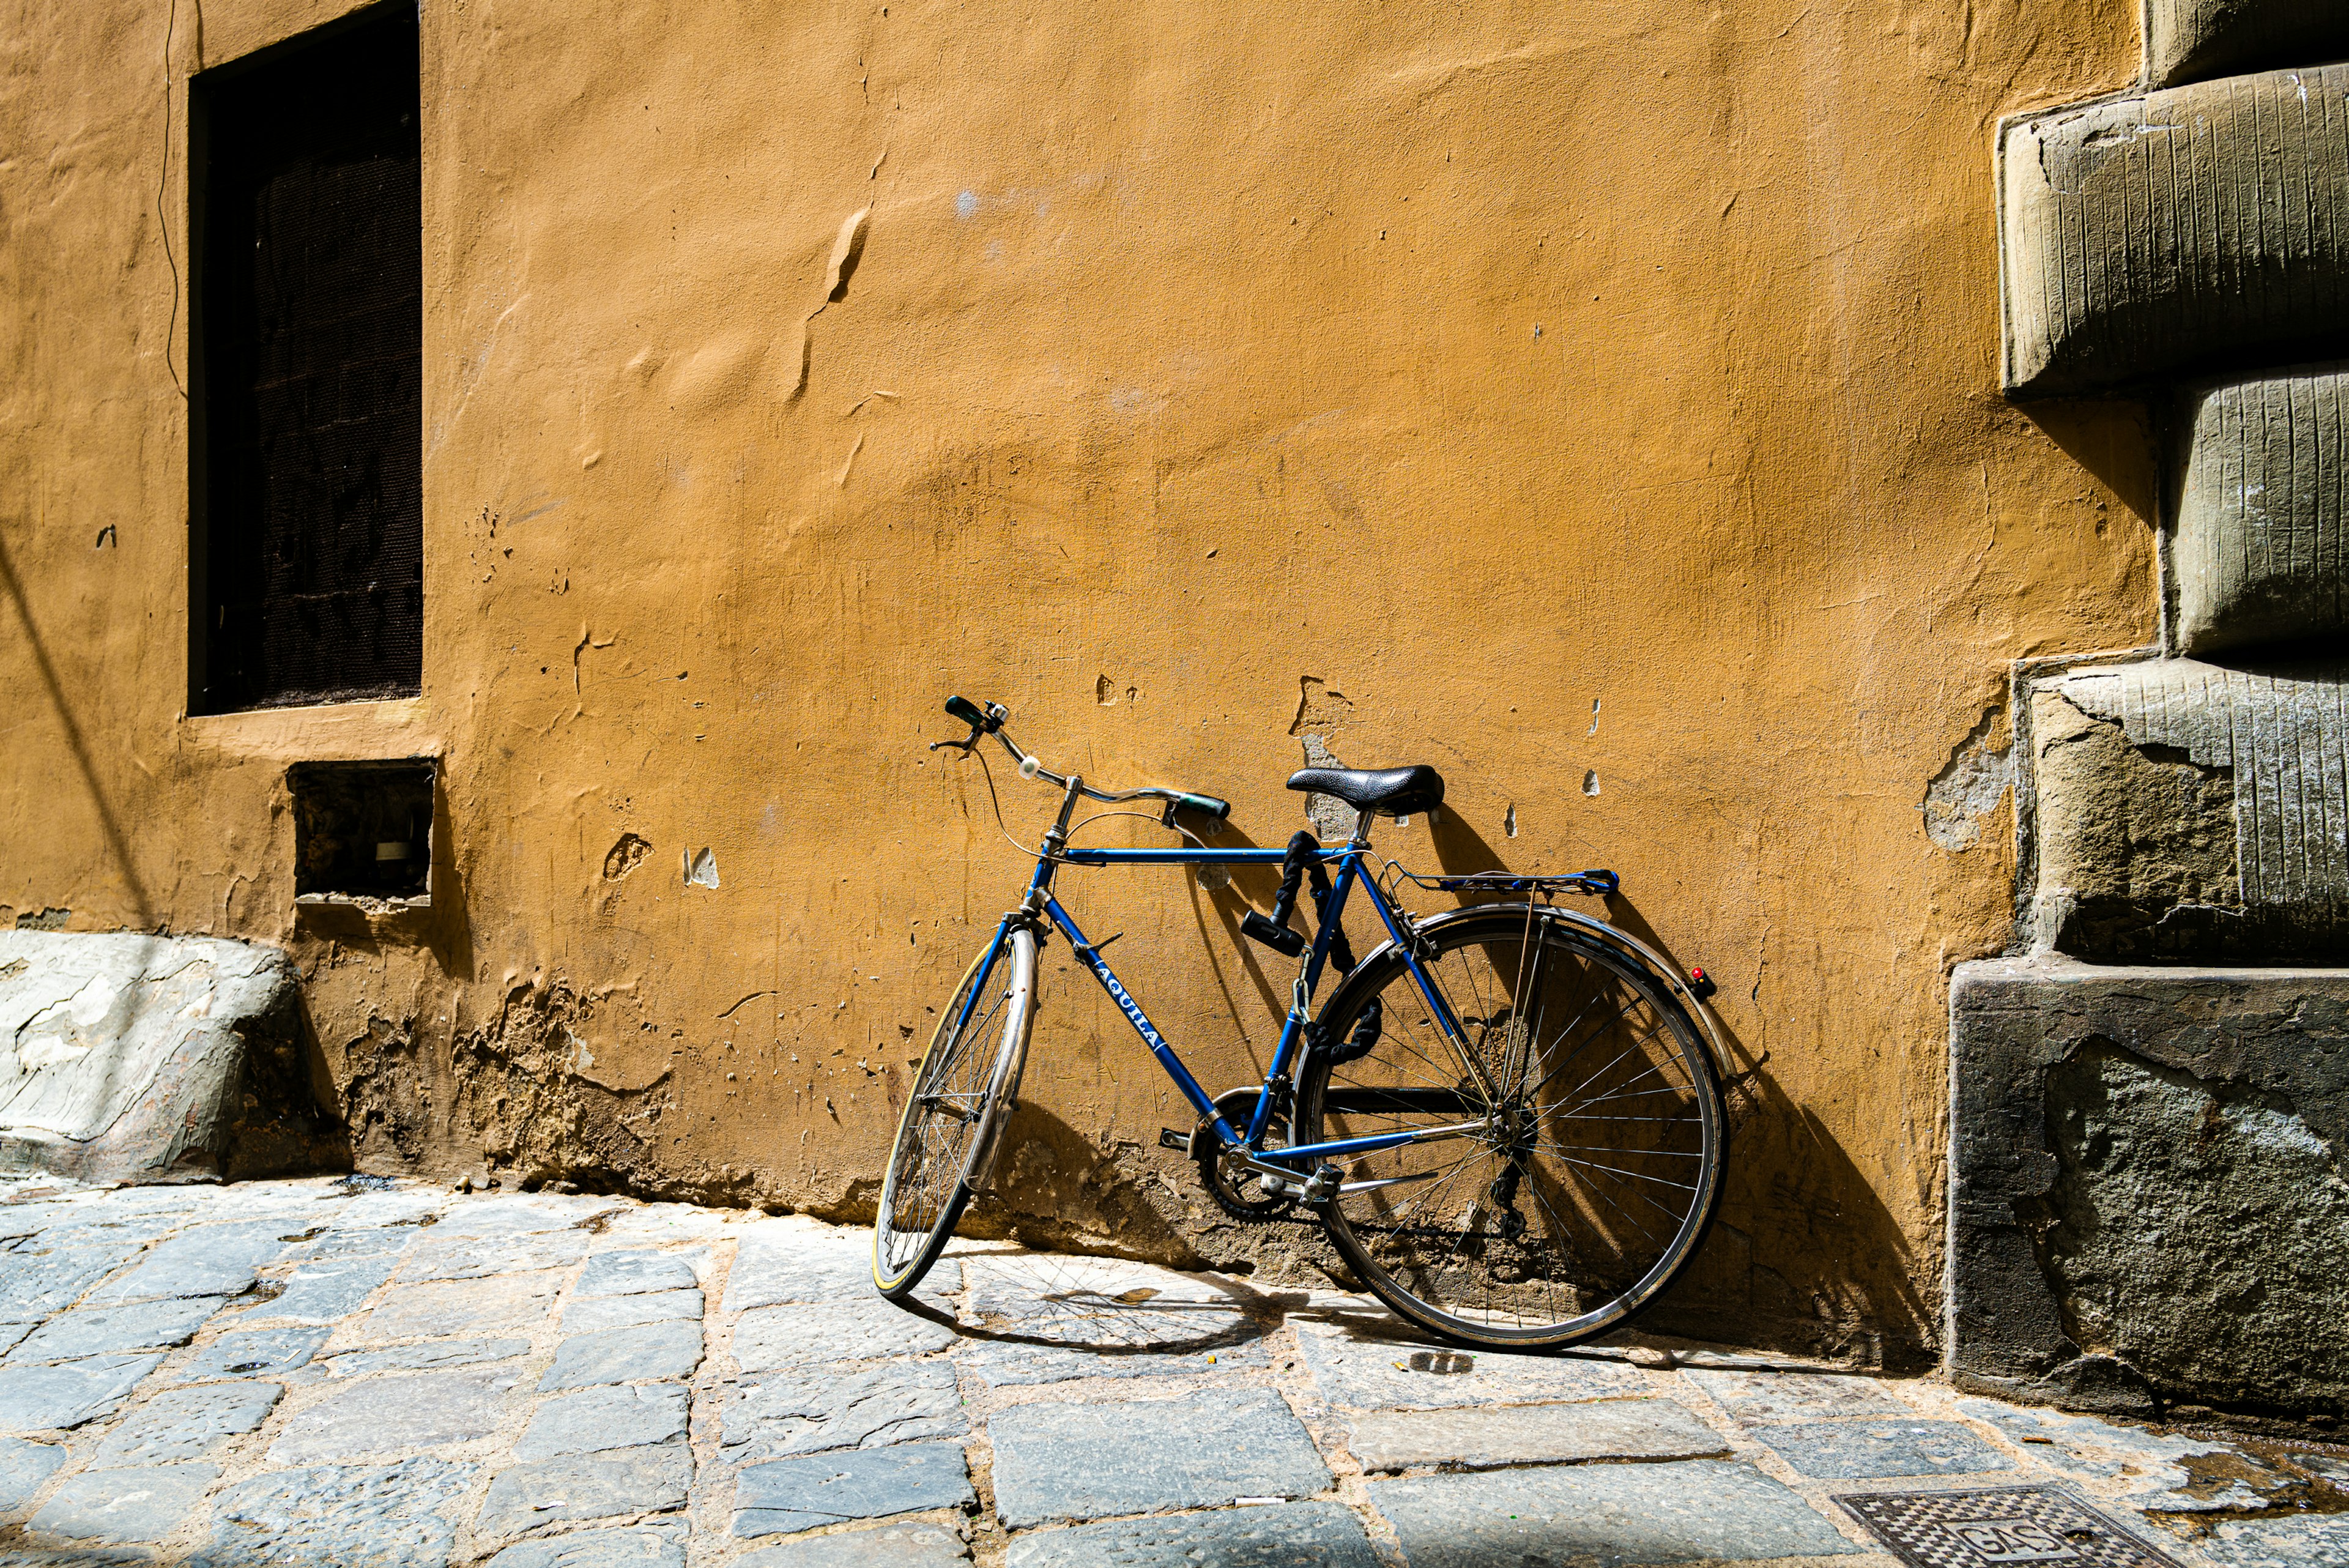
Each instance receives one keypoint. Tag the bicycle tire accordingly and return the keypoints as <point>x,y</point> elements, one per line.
<point>960,1084</point>
<point>1592,1249</point>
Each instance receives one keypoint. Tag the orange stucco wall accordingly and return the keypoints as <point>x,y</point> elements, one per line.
<point>1536,391</point>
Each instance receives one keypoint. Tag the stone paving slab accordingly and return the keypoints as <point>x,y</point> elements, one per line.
<point>916,1544</point>
<point>860,1328</point>
<point>354,1516</point>
<point>624,1355</point>
<point>1359,1374</point>
<point>52,1398</point>
<point>143,1504</point>
<point>772,1273</point>
<point>659,1543</point>
<point>419,1357</point>
<point>624,1417</point>
<point>810,1413</point>
<point>36,1283</point>
<point>1696,1510</point>
<point>786,1496</point>
<point>99,1331</point>
<point>1798,1396</point>
<point>24,1466</point>
<point>2320,1542</point>
<point>636,1273</point>
<point>330,1289</point>
<point>187,1423</point>
<point>627,1312</point>
<point>1287,1535</point>
<point>1647,1428</point>
<point>1004,1362</point>
<point>463,1258</point>
<point>587,1486</point>
<point>2150,1466</point>
<point>518,1214</point>
<point>1861,1450</point>
<point>481,1306</point>
<point>207,1261</point>
<point>265,1352</point>
<point>1106,1302</point>
<point>426,1410</point>
<point>1095,1461</point>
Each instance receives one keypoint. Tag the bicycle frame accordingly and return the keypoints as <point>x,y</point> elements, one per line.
<point>1039,904</point>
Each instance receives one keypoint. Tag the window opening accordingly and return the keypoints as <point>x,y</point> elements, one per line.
<point>309,350</point>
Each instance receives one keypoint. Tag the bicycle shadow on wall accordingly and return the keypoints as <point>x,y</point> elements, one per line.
<point>1803,1255</point>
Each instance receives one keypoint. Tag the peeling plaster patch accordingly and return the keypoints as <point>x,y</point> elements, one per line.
<point>1319,707</point>
<point>1331,818</point>
<point>1105,692</point>
<point>626,855</point>
<point>43,919</point>
<point>1509,821</point>
<point>700,868</point>
<point>1590,780</point>
<point>967,205</point>
<point>1968,788</point>
<point>1594,718</point>
<point>847,250</point>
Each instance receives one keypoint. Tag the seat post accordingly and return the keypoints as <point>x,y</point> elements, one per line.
<point>1362,829</point>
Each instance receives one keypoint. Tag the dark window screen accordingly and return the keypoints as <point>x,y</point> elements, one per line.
<point>310,337</point>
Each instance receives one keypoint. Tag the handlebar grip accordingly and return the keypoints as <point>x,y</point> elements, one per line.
<point>1204,804</point>
<point>964,709</point>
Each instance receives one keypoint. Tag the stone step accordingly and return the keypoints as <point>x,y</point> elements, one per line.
<point>2145,234</point>
<point>2193,40</point>
<point>2261,551</point>
<point>2184,812</point>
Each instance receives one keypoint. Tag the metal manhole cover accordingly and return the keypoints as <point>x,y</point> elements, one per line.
<point>2009,1525</point>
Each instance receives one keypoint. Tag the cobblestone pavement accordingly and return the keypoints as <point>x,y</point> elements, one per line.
<point>371,1373</point>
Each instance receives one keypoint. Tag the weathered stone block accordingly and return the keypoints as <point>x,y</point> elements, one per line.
<point>634,1273</point>
<point>1796,1396</point>
<point>386,1413</point>
<point>622,1417</point>
<point>625,1356</point>
<point>1699,1509</point>
<point>1531,1435</point>
<point>131,1057</point>
<point>600,1312</point>
<point>24,1466</point>
<point>1095,1461</point>
<point>587,1486</point>
<point>1364,1373</point>
<point>2188,40</point>
<point>266,1351</point>
<point>143,1504</point>
<point>186,1424</point>
<point>52,1398</point>
<point>1283,1535</point>
<point>660,1543</point>
<point>97,1330</point>
<point>787,1496</point>
<point>2190,813</point>
<point>372,1516</point>
<point>916,1544</point>
<point>2145,233</point>
<point>2144,1197</point>
<point>860,1328</point>
<point>1862,1450</point>
<point>810,1412</point>
<point>2261,551</point>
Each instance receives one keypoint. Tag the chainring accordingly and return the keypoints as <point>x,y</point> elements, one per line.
<point>1248,1202</point>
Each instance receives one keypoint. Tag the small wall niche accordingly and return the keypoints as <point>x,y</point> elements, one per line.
<point>363,833</point>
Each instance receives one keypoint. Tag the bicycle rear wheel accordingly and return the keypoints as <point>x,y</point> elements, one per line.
<point>1585,1131</point>
<point>954,1112</point>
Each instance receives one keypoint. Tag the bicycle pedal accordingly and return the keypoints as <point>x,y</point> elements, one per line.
<point>1323,1187</point>
<point>1180,1142</point>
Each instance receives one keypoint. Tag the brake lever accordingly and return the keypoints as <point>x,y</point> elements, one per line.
<point>965,747</point>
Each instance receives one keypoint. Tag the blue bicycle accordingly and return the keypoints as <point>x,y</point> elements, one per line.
<point>1507,1116</point>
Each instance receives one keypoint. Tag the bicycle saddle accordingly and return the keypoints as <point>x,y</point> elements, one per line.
<point>1393,792</point>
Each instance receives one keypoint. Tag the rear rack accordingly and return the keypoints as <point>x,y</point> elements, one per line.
<point>1596,884</point>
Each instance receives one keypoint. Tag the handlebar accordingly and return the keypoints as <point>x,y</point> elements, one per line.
<point>989,720</point>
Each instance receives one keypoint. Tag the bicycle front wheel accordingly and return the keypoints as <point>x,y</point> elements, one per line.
<point>954,1112</point>
<point>1570,1130</point>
